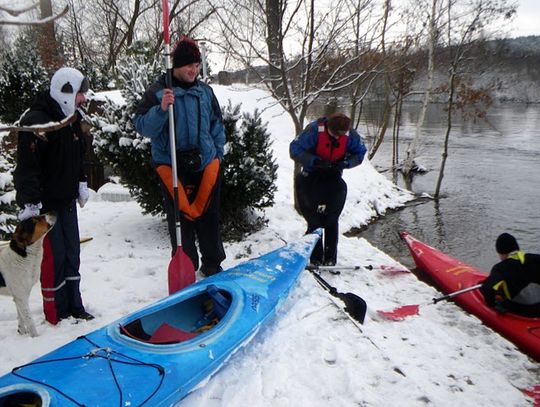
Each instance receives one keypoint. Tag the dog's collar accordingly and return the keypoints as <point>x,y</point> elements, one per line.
<point>13,245</point>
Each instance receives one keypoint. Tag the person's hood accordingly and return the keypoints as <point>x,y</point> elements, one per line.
<point>65,84</point>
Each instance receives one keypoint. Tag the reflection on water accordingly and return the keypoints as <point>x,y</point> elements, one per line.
<point>490,183</point>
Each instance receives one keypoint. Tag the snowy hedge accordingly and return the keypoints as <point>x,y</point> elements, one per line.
<point>8,208</point>
<point>22,75</point>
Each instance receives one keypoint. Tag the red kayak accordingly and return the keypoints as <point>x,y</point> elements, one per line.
<point>450,274</point>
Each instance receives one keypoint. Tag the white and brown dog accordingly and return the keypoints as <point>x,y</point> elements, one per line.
<point>20,265</point>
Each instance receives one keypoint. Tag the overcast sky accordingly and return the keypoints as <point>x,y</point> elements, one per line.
<point>527,21</point>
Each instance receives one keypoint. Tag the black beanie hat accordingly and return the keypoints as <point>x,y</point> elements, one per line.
<point>186,52</point>
<point>506,243</point>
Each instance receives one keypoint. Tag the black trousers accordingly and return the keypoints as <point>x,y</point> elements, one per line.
<point>526,310</point>
<point>321,198</point>
<point>205,229</point>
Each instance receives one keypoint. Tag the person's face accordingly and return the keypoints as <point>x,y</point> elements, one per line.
<point>80,99</point>
<point>187,73</point>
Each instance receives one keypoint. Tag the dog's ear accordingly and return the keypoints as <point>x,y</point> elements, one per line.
<point>21,251</point>
<point>22,236</point>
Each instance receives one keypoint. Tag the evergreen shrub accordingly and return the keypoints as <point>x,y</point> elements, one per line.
<point>22,75</point>
<point>8,207</point>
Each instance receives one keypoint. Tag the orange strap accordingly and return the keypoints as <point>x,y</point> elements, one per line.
<point>202,200</point>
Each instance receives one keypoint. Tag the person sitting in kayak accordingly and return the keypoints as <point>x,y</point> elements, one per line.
<point>514,283</point>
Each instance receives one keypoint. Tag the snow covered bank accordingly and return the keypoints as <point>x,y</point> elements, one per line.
<point>310,354</point>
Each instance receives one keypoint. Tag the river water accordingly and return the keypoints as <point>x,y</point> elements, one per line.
<point>491,183</point>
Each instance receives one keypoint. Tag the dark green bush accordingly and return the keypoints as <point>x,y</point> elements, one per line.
<point>22,75</point>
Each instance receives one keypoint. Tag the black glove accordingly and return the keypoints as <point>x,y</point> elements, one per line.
<point>322,164</point>
<point>340,165</point>
<point>500,307</point>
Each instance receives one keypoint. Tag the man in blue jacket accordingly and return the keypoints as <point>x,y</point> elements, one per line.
<point>325,148</point>
<point>200,139</point>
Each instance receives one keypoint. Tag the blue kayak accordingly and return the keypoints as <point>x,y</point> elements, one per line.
<point>156,356</point>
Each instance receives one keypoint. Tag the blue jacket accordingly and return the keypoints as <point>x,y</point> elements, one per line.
<point>303,147</point>
<point>198,121</point>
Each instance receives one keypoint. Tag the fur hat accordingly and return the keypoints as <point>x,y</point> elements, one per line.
<point>186,52</point>
<point>338,124</point>
<point>65,84</point>
<point>506,243</point>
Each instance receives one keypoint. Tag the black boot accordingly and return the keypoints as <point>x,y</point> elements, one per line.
<point>82,315</point>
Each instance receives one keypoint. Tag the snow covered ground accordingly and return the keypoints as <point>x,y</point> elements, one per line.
<point>310,354</point>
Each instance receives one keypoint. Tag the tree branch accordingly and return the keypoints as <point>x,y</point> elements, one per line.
<point>35,22</point>
<point>15,13</point>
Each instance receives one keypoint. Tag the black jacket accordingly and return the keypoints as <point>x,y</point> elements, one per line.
<point>509,277</point>
<point>49,171</point>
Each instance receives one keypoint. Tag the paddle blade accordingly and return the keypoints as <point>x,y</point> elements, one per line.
<point>392,271</point>
<point>181,272</point>
<point>165,6</point>
<point>355,306</point>
<point>400,313</point>
<point>534,393</point>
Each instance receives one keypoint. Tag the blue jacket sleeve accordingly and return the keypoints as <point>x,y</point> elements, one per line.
<point>217,129</point>
<point>356,150</point>
<point>302,147</point>
<point>150,120</point>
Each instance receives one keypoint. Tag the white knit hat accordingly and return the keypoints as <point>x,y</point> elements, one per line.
<point>65,84</point>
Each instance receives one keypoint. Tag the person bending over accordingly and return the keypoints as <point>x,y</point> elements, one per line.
<point>325,148</point>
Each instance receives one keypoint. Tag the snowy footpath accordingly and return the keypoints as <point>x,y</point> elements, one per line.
<point>310,354</point>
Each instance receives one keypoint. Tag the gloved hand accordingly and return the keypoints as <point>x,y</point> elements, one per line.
<point>84,194</point>
<point>322,164</point>
<point>341,165</point>
<point>29,210</point>
<point>500,308</point>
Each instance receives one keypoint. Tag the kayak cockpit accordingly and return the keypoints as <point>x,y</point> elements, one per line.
<point>23,398</point>
<point>181,321</point>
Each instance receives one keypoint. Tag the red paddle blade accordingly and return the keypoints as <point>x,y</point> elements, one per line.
<point>400,313</point>
<point>534,393</point>
<point>393,271</point>
<point>181,271</point>
<point>166,38</point>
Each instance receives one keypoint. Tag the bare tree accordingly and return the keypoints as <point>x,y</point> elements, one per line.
<point>103,31</point>
<point>431,43</point>
<point>466,24</point>
<point>355,97</point>
<point>49,48</point>
<point>19,19</point>
<point>306,49</point>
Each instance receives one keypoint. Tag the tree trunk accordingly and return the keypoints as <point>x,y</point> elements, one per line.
<point>395,130</point>
<point>273,43</point>
<point>449,107</point>
<point>387,90</point>
<point>413,149</point>
<point>49,49</point>
<point>387,112</point>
